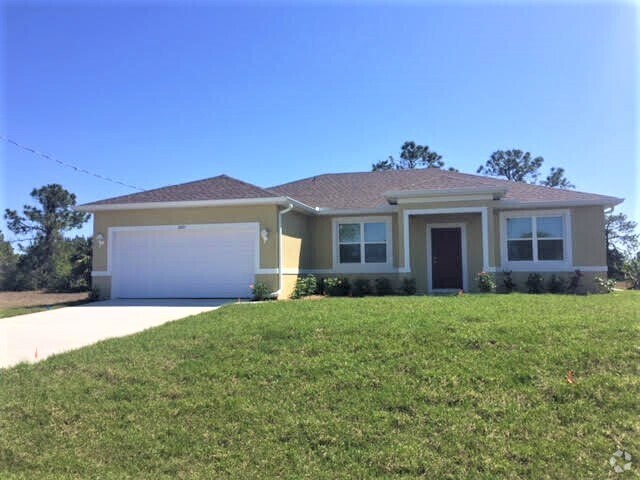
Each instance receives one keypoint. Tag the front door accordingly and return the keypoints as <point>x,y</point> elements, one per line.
<point>446,258</point>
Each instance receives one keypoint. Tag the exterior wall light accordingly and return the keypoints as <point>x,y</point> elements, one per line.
<point>264,234</point>
<point>100,240</point>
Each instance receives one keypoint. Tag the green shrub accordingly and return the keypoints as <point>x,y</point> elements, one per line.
<point>305,286</point>
<point>260,291</point>
<point>337,287</point>
<point>409,285</point>
<point>631,271</point>
<point>94,295</point>
<point>507,281</point>
<point>361,287</point>
<point>383,286</point>
<point>605,285</point>
<point>574,281</point>
<point>486,282</point>
<point>557,284</point>
<point>535,283</point>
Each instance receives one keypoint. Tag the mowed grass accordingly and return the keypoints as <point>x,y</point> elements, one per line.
<point>435,387</point>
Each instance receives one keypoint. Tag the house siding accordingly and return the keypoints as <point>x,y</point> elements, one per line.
<point>265,215</point>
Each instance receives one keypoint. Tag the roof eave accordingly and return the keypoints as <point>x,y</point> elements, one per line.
<point>394,195</point>
<point>516,204</point>
<point>231,202</point>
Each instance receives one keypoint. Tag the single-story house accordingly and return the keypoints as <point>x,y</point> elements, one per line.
<point>216,237</point>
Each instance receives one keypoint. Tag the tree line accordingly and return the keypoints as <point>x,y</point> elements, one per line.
<point>46,259</point>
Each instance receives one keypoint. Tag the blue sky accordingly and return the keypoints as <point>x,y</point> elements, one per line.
<point>157,94</point>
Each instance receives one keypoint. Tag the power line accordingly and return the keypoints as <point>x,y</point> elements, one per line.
<point>68,165</point>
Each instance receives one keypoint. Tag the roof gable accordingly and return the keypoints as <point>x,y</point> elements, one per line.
<point>221,187</point>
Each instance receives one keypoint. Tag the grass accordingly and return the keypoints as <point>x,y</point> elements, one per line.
<point>434,387</point>
<point>14,311</point>
<point>20,303</point>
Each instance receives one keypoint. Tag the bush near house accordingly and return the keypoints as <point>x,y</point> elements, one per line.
<point>383,286</point>
<point>336,286</point>
<point>557,284</point>
<point>306,286</point>
<point>535,283</point>
<point>361,287</point>
<point>486,282</point>
<point>409,286</point>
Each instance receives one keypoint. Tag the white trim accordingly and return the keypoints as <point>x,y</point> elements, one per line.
<point>538,265</point>
<point>196,203</point>
<point>543,269</point>
<point>100,273</point>
<point>483,211</point>
<point>463,246</point>
<point>267,271</point>
<point>330,271</point>
<point>358,211</point>
<point>440,199</point>
<point>442,192</point>
<point>362,267</point>
<point>514,204</point>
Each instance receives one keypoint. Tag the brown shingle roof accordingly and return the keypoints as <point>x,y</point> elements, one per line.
<point>221,187</point>
<point>366,189</point>
<point>353,190</point>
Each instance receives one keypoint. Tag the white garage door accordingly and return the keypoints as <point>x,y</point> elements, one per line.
<point>192,261</point>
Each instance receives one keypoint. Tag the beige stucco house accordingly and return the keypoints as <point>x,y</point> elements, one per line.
<point>216,237</point>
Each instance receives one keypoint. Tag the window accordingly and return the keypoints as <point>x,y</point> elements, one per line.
<point>363,242</point>
<point>536,238</point>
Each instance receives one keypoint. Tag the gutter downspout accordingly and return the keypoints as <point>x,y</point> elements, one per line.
<point>281,213</point>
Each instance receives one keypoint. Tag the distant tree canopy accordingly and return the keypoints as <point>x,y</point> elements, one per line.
<point>412,156</point>
<point>46,261</point>
<point>622,242</point>
<point>520,166</point>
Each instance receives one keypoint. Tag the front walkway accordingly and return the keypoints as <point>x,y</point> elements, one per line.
<point>32,337</point>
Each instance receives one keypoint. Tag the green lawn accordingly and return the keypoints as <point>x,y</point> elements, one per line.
<point>438,387</point>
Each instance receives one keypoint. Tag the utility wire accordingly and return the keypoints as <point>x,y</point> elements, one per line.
<point>68,165</point>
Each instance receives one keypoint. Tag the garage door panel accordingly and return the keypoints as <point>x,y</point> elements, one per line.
<point>201,262</point>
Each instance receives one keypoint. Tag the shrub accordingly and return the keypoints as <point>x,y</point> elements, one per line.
<point>409,286</point>
<point>535,283</point>
<point>94,295</point>
<point>486,282</point>
<point>632,271</point>
<point>557,284</point>
<point>383,286</point>
<point>361,287</point>
<point>305,286</point>
<point>337,287</point>
<point>605,285</point>
<point>574,281</point>
<point>507,281</point>
<point>260,291</point>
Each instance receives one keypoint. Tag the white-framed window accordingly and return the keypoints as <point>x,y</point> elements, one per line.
<point>536,239</point>
<point>362,244</point>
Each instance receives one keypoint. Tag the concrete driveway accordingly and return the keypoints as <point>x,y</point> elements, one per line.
<point>35,336</point>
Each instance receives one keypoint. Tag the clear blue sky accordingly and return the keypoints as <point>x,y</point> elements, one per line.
<point>162,94</point>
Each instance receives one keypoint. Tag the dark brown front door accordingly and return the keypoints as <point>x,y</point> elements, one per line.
<point>446,258</point>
